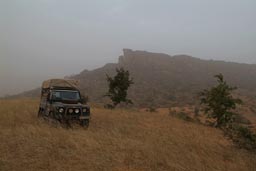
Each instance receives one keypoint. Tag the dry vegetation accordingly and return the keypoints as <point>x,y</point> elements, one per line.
<point>115,140</point>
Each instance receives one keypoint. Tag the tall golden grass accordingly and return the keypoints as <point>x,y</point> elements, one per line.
<point>116,140</point>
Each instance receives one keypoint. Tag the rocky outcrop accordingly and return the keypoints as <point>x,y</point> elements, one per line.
<point>141,57</point>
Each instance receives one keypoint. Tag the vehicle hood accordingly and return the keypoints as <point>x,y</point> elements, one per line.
<point>60,104</point>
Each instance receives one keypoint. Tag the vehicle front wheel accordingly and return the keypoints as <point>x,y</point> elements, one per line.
<point>85,123</point>
<point>40,113</point>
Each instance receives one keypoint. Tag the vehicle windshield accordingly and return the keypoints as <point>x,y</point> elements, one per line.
<point>59,95</point>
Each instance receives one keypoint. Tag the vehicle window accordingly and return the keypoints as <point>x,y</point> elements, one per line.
<point>65,95</point>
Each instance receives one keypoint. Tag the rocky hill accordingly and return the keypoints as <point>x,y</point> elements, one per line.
<point>162,79</point>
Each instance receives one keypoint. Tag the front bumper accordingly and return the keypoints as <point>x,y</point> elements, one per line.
<point>72,115</point>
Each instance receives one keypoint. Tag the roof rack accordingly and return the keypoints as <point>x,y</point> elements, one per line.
<point>61,83</point>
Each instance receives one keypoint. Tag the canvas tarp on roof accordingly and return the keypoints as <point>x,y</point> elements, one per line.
<point>60,83</point>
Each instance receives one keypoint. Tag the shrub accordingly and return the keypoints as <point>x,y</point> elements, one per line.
<point>118,87</point>
<point>242,136</point>
<point>219,103</point>
<point>239,119</point>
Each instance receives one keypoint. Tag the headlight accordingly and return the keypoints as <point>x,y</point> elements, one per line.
<point>76,111</point>
<point>70,111</point>
<point>61,110</point>
<point>84,110</point>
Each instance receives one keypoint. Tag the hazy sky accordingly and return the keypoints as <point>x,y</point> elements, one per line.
<point>41,39</point>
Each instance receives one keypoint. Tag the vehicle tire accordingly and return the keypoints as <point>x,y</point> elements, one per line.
<point>52,120</point>
<point>51,115</point>
<point>84,123</point>
<point>39,115</point>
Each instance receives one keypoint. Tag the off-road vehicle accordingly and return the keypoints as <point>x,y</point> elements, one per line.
<point>61,100</point>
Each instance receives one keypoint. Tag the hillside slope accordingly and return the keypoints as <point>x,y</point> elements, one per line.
<point>162,80</point>
<point>118,140</point>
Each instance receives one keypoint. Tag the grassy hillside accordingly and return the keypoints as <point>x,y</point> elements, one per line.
<point>116,140</point>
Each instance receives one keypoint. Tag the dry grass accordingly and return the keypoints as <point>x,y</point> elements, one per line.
<point>116,140</point>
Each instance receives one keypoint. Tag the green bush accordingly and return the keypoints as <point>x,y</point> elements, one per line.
<point>242,136</point>
<point>240,119</point>
<point>118,87</point>
<point>219,103</point>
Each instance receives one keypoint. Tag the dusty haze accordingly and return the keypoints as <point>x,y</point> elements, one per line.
<point>52,38</point>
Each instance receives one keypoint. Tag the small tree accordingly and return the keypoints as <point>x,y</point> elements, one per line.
<point>219,102</point>
<point>118,87</point>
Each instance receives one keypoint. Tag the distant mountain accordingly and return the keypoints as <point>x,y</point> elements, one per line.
<point>162,79</point>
